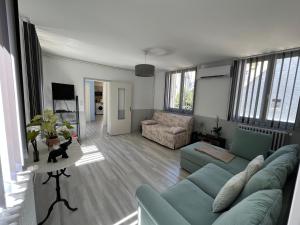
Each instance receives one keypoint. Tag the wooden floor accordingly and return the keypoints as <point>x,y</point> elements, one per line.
<point>104,182</point>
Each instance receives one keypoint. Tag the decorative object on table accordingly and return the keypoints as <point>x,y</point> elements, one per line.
<point>31,136</point>
<point>61,151</point>
<point>217,130</point>
<point>47,123</point>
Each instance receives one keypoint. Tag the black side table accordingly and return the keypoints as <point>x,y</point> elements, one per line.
<point>212,139</point>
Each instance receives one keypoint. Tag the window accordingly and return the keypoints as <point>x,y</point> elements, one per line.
<point>266,90</point>
<point>180,90</point>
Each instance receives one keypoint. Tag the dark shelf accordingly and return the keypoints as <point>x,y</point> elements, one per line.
<point>72,121</point>
<point>65,112</point>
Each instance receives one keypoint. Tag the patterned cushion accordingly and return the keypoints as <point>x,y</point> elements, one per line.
<point>255,165</point>
<point>229,191</point>
<point>176,130</point>
<point>149,122</point>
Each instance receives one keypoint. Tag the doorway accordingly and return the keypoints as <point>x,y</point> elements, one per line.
<point>95,106</point>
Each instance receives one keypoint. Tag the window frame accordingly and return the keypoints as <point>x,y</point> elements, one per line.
<point>236,89</point>
<point>167,96</point>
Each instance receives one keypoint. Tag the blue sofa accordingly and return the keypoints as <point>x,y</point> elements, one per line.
<point>190,201</point>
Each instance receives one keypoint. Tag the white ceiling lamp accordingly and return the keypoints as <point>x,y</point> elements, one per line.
<point>144,70</point>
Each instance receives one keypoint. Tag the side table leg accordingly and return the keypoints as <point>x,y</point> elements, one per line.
<point>63,172</point>
<point>49,176</point>
<point>58,196</point>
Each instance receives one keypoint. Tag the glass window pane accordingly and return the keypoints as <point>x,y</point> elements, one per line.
<point>275,103</point>
<point>250,89</point>
<point>261,89</point>
<point>175,90</point>
<point>289,91</point>
<point>244,89</point>
<point>295,98</point>
<point>255,87</point>
<point>188,90</point>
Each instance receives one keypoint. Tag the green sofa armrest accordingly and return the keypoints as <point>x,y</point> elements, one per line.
<point>157,210</point>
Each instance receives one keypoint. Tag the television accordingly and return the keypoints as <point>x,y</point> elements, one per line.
<point>63,91</point>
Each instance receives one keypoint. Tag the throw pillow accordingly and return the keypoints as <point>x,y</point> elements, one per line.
<point>229,192</point>
<point>255,165</point>
<point>149,122</point>
<point>176,130</point>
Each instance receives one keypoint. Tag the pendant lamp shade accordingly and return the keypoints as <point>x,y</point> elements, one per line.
<point>144,70</point>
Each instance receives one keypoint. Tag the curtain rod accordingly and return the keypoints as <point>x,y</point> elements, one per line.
<point>271,53</point>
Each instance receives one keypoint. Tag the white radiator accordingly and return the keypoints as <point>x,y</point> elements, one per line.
<point>279,136</point>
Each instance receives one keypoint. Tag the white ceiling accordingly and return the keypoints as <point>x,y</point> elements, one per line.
<point>115,32</point>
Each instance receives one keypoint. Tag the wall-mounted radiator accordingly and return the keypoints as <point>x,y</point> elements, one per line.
<point>279,136</point>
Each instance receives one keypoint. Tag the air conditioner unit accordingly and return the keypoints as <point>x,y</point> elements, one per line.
<point>214,71</point>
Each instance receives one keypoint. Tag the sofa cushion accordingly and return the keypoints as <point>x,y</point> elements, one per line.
<point>229,192</point>
<point>236,165</point>
<point>248,145</point>
<point>262,180</point>
<point>255,165</point>
<point>191,202</point>
<point>283,150</point>
<point>210,178</point>
<point>149,122</point>
<point>260,208</point>
<point>176,130</point>
<point>282,166</point>
<point>272,176</point>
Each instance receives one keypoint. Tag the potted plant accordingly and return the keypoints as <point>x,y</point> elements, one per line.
<point>217,130</point>
<point>65,130</point>
<point>31,137</point>
<point>47,122</point>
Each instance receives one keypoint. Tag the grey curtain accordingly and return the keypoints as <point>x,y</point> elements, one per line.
<point>34,68</point>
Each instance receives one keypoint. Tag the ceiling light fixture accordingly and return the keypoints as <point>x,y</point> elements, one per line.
<point>144,70</point>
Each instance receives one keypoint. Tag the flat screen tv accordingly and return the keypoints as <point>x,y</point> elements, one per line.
<point>63,91</point>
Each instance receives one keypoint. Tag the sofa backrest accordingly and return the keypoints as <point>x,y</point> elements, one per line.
<point>249,144</point>
<point>283,150</point>
<point>274,173</point>
<point>175,120</point>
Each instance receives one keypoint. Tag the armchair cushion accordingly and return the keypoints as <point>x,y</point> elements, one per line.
<point>149,122</point>
<point>176,130</point>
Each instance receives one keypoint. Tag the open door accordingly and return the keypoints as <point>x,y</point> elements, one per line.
<point>119,108</point>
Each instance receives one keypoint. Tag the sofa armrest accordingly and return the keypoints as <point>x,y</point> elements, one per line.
<point>157,208</point>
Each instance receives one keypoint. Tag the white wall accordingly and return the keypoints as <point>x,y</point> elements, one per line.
<point>64,70</point>
<point>212,97</point>
<point>159,90</point>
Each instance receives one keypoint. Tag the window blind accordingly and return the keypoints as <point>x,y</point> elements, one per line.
<point>266,90</point>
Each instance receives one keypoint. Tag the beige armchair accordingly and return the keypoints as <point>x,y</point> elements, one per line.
<point>168,129</point>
